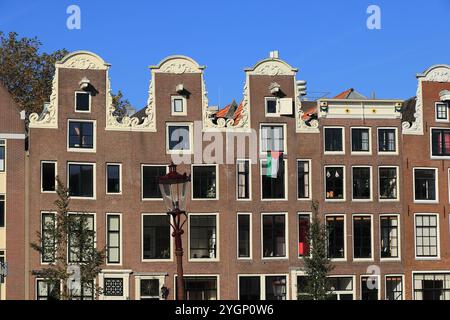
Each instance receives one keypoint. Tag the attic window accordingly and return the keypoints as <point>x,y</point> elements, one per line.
<point>272,107</point>
<point>82,101</point>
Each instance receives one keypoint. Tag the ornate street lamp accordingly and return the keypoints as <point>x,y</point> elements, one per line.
<point>173,188</point>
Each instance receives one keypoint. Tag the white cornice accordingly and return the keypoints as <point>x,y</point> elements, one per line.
<point>271,67</point>
<point>177,64</point>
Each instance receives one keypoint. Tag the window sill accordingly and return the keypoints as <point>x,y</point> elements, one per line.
<point>194,260</point>
<point>361,153</point>
<point>267,200</point>
<point>82,150</point>
<point>362,200</point>
<point>362,260</point>
<point>156,260</point>
<point>205,199</point>
<point>83,198</point>
<point>388,153</point>
<point>390,259</point>
<point>426,201</point>
<point>334,153</point>
<point>152,199</point>
<point>427,258</point>
<point>389,200</point>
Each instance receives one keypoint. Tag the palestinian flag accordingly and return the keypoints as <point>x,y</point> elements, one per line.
<point>274,163</point>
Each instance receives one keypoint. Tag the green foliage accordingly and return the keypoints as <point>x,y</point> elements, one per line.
<point>121,104</point>
<point>25,72</point>
<point>54,244</point>
<point>317,266</point>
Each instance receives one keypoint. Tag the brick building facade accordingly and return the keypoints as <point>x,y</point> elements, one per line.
<point>245,235</point>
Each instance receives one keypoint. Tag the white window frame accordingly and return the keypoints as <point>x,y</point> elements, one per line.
<point>399,237</point>
<point>371,184</point>
<point>344,182</point>
<point>37,279</point>
<point>277,112</point>
<point>142,180</point>
<point>431,143</point>
<point>436,111</point>
<point>300,213</point>
<point>137,284</point>
<point>370,276</point>
<point>344,259</point>
<point>250,184</point>
<point>115,273</point>
<point>75,102</point>
<point>191,137</point>
<point>286,184</point>
<point>397,199</point>
<point>217,181</point>
<point>273,124</point>
<point>42,234</point>
<point>262,283</point>
<point>56,173</point>
<point>438,237</point>
<point>94,179</point>
<point>387,153</point>
<point>120,178</point>
<point>95,234</point>
<point>432,272</point>
<point>343,141</point>
<point>403,284</point>
<point>217,258</point>
<point>94,137</point>
<point>372,258</point>
<point>353,284</point>
<point>250,215</point>
<point>310,179</point>
<point>120,239</point>
<point>286,237</point>
<point>436,184</point>
<point>3,143</point>
<point>361,153</point>
<point>171,241</point>
<point>197,275</point>
<point>172,105</point>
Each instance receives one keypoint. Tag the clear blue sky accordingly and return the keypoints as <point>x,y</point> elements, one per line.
<point>327,40</point>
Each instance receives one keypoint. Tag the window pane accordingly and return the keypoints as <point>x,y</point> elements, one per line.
<point>113,172</point>
<point>200,288</point>
<point>303,235</point>
<point>178,105</point>
<point>244,236</point>
<point>386,140</point>
<point>369,288</point>
<point>272,138</point>
<point>243,171</point>
<point>388,183</point>
<point>333,139</point>
<point>389,236</point>
<point>48,237</point>
<point>2,211</point>
<point>335,230</point>
<point>82,101</point>
<point>361,183</point>
<point>179,138</point>
<point>440,141</point>
<point>203,237</point>
<point>303,180</point>
<point>81,180</point>
<point>360,140</point>
<point>362,237</point>
<point>156,237</point>
<point>48,176</point>
<point>275,288</point>
<point>81,135</point>
<point>113,287</point>
<point>204,182</point>
<point>271,105</point>
<point>425,184</point>
<point>334,183</point>
<point>249,288</point>
<point>273,186</point>
<point>274,236</point>
<point>150,288</point>
<point>394,288</point>
<point>2,158</point>
<point>113,240</point>
<point>426,236</point>
<point>150,176</point>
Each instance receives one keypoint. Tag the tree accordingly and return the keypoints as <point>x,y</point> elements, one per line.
<point>53,243</point>
<point>25,72</point>
<point>317,265</point>
<point>121,104</point>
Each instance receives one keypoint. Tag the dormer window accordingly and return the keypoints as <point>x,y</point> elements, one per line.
<point>441,111</point>
<point>82,101</point>
<point>178,106</point>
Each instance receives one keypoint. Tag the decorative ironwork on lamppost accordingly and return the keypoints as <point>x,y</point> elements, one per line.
<point>173,188</point>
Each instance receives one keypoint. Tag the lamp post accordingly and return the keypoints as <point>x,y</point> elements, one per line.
<point>173,188</point>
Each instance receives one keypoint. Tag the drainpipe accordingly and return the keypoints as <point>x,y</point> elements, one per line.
<point>27,226</point>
